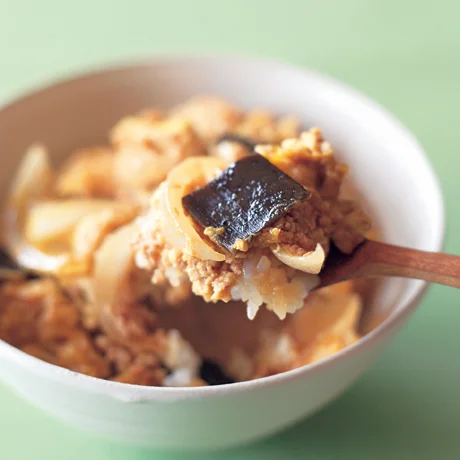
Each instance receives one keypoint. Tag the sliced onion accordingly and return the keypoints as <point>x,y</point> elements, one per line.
<point>160,211</point>
<point>55,219</point>
<point>30,257</point>
<point>312,262</point>
<point>197,170</point>
<point>113,262</point>
<point>45,222</point>
<point>33,179</point>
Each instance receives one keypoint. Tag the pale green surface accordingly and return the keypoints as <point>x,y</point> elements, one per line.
<point>404,55</point>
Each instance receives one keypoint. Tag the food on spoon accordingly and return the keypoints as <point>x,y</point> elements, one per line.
<point>251,232</point>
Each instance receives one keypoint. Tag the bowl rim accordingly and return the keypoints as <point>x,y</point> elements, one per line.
<point>136,393</point>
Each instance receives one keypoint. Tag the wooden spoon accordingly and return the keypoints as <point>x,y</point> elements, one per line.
<point>371,259</point>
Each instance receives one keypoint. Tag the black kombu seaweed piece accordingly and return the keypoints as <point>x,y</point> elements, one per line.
<point>247,197</point>
<point>213,374</point>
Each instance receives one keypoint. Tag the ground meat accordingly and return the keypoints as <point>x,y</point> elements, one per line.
<point>93,228</point>
<point>37,317</point>
<point>87,173</point>
<point>318,221</point>
<point>146,149</point>
<point>210,116</point>
<point>135,326</point>
<point>144,370</point>
<point>211,280</point>
<point>20,309</point>
<point>263,127</point>
<point>301,229</point>
<point>310,161</point>
<point>119,356</point>
<point>351,224</point>
<point>81,293</point>
<point>78,354</point>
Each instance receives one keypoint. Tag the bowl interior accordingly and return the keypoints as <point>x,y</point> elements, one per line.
<point>386,162</point>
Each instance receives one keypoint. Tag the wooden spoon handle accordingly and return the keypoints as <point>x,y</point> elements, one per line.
<point>379,259</point>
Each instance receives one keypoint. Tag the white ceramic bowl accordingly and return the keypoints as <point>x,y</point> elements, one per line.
<point>388,165</point>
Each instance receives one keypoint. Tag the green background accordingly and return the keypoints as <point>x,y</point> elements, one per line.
<point>405,54</point>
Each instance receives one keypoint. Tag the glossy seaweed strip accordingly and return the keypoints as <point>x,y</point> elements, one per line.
<point>213,374</point>
<point>247,197</point>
